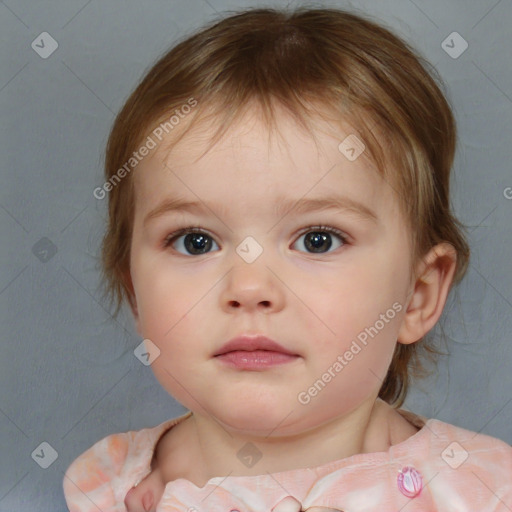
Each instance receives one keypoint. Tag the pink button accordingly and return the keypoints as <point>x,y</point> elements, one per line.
<point>409,482</point>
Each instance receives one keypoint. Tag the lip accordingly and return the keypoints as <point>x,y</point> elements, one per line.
<point>255,359</point>
<point>251,343</point>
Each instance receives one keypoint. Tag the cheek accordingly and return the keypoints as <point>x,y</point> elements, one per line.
<point>171,318</point>
<point>165,298</point>
<point>173,308</point>
<point>355,308</point>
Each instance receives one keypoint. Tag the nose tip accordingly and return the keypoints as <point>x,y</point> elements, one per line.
<point>252,288</point>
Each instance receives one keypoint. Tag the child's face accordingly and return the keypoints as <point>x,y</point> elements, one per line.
<point>313,303</point>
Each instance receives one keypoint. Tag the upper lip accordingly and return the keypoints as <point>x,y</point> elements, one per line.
<point>252,342</point>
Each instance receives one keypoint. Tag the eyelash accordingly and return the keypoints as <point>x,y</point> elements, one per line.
<point>197,229</point>
<point>184,231</point>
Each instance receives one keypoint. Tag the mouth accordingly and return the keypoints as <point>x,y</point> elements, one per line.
<point>254,353</point>
<point>255,360</point>
<point>247,343</point>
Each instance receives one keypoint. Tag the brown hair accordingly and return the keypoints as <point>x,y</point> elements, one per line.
<point>305,61</point>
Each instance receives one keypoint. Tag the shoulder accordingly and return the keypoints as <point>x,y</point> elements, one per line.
<point>98,477</point>
<point>441,467</point>
<point>468,467</point>
<point>86,483</point>
<point>476,444</point>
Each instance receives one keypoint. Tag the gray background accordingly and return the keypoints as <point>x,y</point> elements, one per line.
<point>68,373</point>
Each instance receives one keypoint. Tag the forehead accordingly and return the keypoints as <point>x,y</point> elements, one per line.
<point>252,162</point>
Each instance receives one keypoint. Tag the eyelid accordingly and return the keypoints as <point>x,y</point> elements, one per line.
<point>329,229</point>
<point>184,231</point>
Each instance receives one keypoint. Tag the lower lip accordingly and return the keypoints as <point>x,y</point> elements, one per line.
<point>256,359</point>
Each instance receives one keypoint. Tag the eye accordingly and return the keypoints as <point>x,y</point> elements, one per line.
<point>318,239</point>
<point>191,239</point>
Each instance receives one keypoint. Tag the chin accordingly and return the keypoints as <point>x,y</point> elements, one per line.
<point>255,421</point>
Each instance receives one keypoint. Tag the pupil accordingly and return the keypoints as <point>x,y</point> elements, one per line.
<point>315,241</point>
<point>196,242</point>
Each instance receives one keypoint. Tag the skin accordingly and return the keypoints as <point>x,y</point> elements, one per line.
<point>145,496</point>
<point>314,304</point>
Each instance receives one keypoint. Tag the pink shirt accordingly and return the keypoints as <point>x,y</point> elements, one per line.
<point>440,468</point>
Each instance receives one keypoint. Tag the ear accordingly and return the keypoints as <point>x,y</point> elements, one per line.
<point>132,301</point>
<point>436,272</point>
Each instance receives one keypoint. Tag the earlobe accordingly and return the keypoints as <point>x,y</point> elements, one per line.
<point>429,294</point>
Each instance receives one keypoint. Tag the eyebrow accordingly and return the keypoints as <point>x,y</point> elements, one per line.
<point>283,207</point>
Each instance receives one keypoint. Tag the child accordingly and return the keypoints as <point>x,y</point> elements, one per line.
<point>280,225</point>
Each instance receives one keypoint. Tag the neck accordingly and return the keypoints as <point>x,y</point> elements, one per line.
<point>214,450</point>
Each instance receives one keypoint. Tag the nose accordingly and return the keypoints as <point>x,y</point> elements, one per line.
<point>252,287</point>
